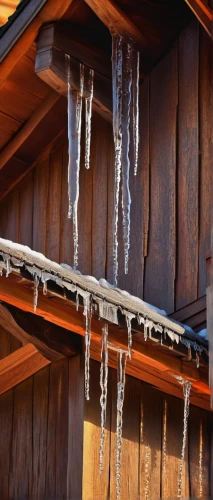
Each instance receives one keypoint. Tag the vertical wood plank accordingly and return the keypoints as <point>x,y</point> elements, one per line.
<point>6,415</point>
<point>26,211</point>
<point>4,343</point>
<point>199,453</point>
<point>40,199</point>
<point>95,486</point>
<point>100,163</point>
<point>20,480</point>
<point>54,206</point>
<point>75,428</point>
<point>160,261</point>
<point>66,237</point>
<point>56,469</point>
<point>187,263</point>
<point>110,209</point>
<point>150,443</point>
<point>206,157</point>
<point>40,420</point>
<point>171,449</point>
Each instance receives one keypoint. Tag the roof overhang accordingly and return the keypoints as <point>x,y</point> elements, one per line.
<point>166,348</point>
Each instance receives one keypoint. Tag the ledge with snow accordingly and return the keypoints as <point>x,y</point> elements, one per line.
<point>161,348</point>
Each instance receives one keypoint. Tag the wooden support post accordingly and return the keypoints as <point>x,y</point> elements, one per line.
<point>75,428</point>
<point>203,14</point>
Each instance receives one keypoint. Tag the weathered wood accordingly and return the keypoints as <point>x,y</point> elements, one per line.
<point>199,452</point>
<point>27,129</point>
<point>187,227</point>
<point>115,19</point>
<point>26,211</point>
<point>190,310</point>
<point>41,181</point>
<point>40,422</point>
<point>57,431</point>
<point>203,14</point>
<point>160,261</point>
<point>20,365</point>
<point>54,206</point>
<point>205,112</point>
<point>22,442</point>
<point>6,425</point>
<point>75,428</point>
<point>151,404</point>
<point>51,341</point>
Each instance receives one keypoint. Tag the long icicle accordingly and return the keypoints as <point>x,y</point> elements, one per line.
<point>121,368</point>
<point>135,106</point>
<point>117,56</point>
<point>126,103</point>
<point>87,314</point>
<point>186,392</point>
<point>74,144</point>
<point>88,89</point>
<point>103,385</point>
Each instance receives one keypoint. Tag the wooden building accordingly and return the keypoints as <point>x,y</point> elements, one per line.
<point>49,433</point>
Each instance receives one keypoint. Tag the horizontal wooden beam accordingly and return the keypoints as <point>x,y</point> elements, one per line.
<point>116,20</point>
<point>16,41</point>
<point>203,14</point>
<point>28,127</point>
<point>148,354</point>
<point>52,341</point>
<point>50,66</point>
<point>20,365</point>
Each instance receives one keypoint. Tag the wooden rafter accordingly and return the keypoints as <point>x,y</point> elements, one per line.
<point>115,19</point>
<point>149,361</point>
<point>20,365</point>
<point>11,148</point>
<point>203,14</point>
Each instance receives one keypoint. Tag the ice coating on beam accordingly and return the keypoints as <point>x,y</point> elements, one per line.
<point>88,90</point>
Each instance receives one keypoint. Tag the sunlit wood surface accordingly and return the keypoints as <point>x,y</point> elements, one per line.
<point>7,7</point>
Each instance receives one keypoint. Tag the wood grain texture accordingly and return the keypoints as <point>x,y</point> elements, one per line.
<point>20,365</point>
<point>40,422</point>
<point>160,261</point>
<point>26,211</point>
<point>54,206</point>
<point>205,179</point>
<point>6,423</point>
<point>188,169</point>
<point>75,428</point>
<point>199,450</point>
<point>41,181</point>
<point>203,13</point>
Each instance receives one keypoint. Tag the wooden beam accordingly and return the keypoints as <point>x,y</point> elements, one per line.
<point>16,41</point>
<point>20,365</point>
<point>116,20</point>
<point>52,341</point>
<point>50,66</point>
<point>28,127</point>
<point>62,312</point>
<point>203,14</point>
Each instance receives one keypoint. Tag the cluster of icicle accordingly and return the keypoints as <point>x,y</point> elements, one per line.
<point>125,81</point>
<point>74,111</point>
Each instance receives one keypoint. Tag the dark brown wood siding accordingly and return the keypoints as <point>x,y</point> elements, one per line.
<point>171,196</point>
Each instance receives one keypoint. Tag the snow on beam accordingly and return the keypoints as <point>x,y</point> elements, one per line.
<point>203,14</point>
<point>20,365</point>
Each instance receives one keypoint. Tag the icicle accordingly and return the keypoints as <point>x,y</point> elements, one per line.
<point>201,461</point>
<point>186,392</point>
<point>147,471</point>
<point>117,56</point>
<point>88,116</point>
<point>35,293</point>
<point>103,385</point>
<point>87,314</point>
<point>197,360</point>
<point>77,301</point>
<point>45,287</point>
<point>119,424</point>
<point>125,125</point>
<point>145,329</point>
<point>74,140</point>
<point>135,106</point>
<point>164,437</point>
<point>7,263</point>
